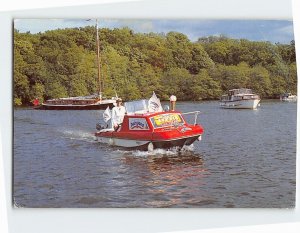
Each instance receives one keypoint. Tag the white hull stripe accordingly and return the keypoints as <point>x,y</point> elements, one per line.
<point>247,104</point>
<point>132,142</point>
<point>122,142</point>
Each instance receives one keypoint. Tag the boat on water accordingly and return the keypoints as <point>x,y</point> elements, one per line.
<point>145,129</point>
<point>288,97</point>
<point>241,98</point>
<point>91,102</point>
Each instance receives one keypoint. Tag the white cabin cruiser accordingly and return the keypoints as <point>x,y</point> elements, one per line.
<point>242,98</point>
<point>288,97</point>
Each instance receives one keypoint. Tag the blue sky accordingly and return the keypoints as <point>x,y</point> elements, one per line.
<point>258,30</point>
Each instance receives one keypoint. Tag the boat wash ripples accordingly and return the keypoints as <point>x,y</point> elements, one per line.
<point>247,158</point>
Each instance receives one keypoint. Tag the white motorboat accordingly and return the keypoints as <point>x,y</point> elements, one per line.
<point>288,97</point>
<point>242,98</point>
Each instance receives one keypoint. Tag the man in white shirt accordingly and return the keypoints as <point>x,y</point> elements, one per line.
<point>118,113</point>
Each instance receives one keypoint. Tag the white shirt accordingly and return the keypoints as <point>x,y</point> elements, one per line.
<point>117,115</point>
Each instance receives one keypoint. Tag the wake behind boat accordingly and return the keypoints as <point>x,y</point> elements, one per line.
<point>146,127</point>
<point>240,99</point>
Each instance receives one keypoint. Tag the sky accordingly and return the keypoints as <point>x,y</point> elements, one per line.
<point>258,30</point>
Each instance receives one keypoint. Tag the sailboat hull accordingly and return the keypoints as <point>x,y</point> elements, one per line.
<point>101,106</point>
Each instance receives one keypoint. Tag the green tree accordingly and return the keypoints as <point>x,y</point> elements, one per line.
<point>179,45</point>
<point>116,67</point>
<point>200,59</point>
<point>62,63</point>
<point>37,91</point>
<point>260,81</point>
<point>203,86</point>
<point>55,90</point>
<point>175,81</point>
<point>231,77</point>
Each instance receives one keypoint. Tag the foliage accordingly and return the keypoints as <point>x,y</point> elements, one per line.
<point>62,62</point>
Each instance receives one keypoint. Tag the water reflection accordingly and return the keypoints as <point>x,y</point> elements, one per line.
<point>170,178</point>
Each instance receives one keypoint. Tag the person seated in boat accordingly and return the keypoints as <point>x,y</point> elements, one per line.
<point>118,113</point>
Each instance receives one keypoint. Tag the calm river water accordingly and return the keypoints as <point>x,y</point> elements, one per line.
<point>247,158</point>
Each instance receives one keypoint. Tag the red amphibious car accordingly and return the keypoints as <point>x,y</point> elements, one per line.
<point>148,131</point>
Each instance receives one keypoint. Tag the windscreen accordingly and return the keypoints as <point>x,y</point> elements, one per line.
<point>136,106</point>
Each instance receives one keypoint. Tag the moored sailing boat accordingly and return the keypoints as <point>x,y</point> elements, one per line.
<point>92,102</point>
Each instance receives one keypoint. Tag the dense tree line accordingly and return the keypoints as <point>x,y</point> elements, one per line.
<point>61,63</point>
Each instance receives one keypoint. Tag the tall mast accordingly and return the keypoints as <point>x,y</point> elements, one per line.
<point>98,60</point>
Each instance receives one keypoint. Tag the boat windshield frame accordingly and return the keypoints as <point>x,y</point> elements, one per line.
<point>136,107</point>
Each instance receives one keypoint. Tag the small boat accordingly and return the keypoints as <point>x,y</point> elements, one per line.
<point>147,130</point>
<point>288,97</point>
<point>242,98</point>
<point>92,102</point>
